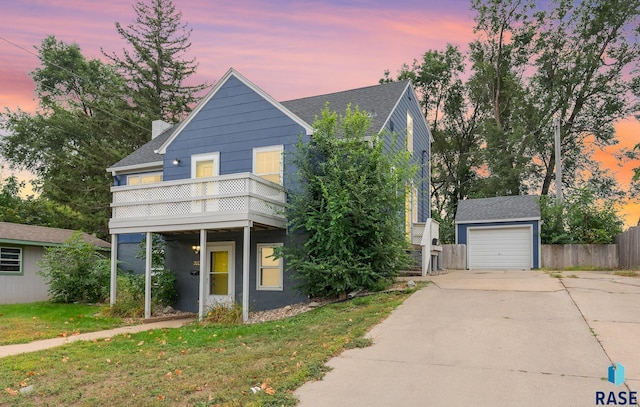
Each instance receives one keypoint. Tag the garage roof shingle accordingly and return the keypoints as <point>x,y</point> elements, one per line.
<point>498,208</point>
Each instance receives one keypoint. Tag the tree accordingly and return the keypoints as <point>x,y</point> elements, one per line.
<point>154,66</point>
<point>83,125</point>
<point>32,211</point>
<point>530,63</point>
<point>348,206</point>
<point>585,53</point>
<point>453,118</point>
<point>636,176</point>
<point>582,218</point>
<point>499,59</point>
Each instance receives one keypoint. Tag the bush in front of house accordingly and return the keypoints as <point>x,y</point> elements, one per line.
<point>130,286</point>
<point>76,272</point>
<point>349,206</point>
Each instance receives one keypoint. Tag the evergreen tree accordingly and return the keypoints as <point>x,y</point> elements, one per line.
<point>154,63</point>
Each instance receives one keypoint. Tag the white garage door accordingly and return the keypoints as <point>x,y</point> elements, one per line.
<point>500,248</point>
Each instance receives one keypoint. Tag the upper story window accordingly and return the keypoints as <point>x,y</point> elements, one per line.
<point>409,131</point>
<point>148,178</point>
<point>267,163</point>
<point>205,165</point>
<point>10,260</point>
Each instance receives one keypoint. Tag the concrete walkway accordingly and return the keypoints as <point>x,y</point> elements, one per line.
<point>494,338</point>
<point>9,350</point>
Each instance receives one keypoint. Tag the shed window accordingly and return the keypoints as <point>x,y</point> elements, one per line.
<point>10,260</point>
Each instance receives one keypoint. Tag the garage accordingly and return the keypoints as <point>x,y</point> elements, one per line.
<point>500,232</point>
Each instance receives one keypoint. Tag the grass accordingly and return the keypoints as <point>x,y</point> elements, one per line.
<point>21,323</point>
<point>197,365</point>
<point>627,273</point>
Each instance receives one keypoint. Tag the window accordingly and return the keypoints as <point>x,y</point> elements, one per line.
<point>148,178</point>
<point>270,273</point>
<point>411,209</point>
<point>267,163</point>
<point>409,132</point>
<point>10,260</point>
<point>205,165</point>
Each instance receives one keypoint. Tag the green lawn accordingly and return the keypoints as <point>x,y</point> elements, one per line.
<point>197,365</point>
<point>21,323</point>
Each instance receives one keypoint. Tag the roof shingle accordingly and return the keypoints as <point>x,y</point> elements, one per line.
<point>498,208</point>
<point>43,236</point>
<point>378,100</point>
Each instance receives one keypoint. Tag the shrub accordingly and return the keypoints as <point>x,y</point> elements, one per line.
<point>76,272</point>
<point>350,207</point>
<point>582,218</point>
<point>163,291</point>
<point>129,296</point>
<point>130,293</point>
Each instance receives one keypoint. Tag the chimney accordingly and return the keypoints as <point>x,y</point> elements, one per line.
<point>158,127</point>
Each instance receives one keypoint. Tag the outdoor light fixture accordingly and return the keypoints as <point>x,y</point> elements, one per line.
<point>196,249</point>
<point>176,161</point>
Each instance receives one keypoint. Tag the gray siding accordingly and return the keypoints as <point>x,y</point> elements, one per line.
<point>233,122</point>
<point>28,287</point>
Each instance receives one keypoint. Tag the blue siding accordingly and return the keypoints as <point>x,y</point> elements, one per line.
<point>180,260</point>
<point>233,122</point>
<point>421,146</point>
<point>462,236</point>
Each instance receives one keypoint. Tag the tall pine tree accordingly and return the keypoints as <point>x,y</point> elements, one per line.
<point>154,62</point>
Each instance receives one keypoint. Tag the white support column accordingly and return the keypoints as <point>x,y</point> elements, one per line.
<point>202,300</point>
<point>114,270</point>
<point>147,277</point>
<point>246,249</point>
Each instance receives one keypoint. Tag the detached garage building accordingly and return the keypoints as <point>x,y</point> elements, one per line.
<point>500,233</point>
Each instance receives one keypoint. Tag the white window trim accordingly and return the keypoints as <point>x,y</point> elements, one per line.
<point>279,148</point>
<point>143,174</point>
<point>259,287</point>
<point>206,157</point>
<point>20,262</point>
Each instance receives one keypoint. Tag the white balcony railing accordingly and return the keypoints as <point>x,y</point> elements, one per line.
<point>224,198</point>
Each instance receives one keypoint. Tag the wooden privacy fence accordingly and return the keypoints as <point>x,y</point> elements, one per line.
<point>629,248</point>
<point>561,256</point>
<point>453,257</point>
<point>624,254</point>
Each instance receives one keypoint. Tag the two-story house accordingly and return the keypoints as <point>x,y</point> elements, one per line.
<point>214,186</point>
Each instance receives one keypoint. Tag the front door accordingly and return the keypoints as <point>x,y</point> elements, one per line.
<point>219,280</point>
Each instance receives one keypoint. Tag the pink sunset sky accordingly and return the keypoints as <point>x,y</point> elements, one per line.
<point>288,48</point>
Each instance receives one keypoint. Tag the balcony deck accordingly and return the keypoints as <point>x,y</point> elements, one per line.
<point>226,201</point>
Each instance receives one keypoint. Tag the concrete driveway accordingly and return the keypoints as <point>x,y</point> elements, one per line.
<point>494,338</point>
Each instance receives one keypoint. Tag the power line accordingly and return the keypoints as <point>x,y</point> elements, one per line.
<point>77,76</point>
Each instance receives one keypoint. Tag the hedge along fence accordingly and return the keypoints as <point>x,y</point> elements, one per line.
<point>561,256</point>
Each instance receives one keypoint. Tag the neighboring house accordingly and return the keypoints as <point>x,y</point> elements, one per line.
<point>500,233</point>
<point>214,187</point>
<point>21,248</point>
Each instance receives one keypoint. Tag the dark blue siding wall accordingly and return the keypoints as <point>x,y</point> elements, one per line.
<point>421,146</point>
<point>461,235</point>
<point>180,260</point>
<point>233,122</point>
